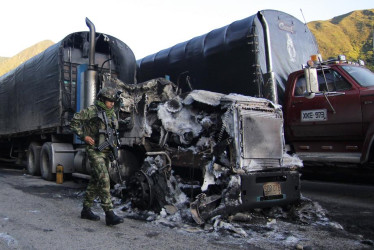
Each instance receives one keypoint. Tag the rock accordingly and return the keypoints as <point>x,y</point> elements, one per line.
<point>170,209</point>
<point>241,217</point>
<point>299,247</point>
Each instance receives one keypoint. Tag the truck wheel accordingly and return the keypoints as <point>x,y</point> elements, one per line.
<point>33,158</point>
<point>46,162</point>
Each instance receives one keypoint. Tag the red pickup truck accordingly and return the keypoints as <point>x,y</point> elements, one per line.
<point>336,123</point>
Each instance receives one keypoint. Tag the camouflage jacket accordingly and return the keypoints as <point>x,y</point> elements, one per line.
<point>89,121</point>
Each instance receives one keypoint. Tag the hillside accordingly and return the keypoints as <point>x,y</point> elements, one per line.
<point>2,59</point>
<point>7,64</point>
<point>350,34</point>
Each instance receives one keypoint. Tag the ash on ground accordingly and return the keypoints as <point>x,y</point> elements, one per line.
<point>304,225</point>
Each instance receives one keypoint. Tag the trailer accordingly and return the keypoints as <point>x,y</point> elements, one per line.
<point>252,57</point>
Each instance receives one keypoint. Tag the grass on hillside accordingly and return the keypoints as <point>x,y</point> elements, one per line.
<point>350,34</point>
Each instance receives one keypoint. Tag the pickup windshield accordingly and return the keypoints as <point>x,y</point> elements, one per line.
<point>363,76</point>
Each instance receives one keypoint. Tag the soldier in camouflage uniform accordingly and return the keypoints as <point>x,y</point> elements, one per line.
<point>86,124</point>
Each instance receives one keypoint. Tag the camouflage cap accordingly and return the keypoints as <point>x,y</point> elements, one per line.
<point>107,93</point>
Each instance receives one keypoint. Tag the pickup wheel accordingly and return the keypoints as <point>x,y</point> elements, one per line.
<point>46,162</point>
<point>33,158</point>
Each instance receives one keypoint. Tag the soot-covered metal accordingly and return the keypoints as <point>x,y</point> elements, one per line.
<point>196,149</point>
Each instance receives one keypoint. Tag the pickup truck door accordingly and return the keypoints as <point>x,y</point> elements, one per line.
<point>332,115</point>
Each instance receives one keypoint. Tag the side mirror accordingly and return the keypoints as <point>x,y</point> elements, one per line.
<point>312,86</point>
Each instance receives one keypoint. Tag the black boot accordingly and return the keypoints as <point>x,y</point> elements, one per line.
<point>112,219</point>
<point>88,214</point>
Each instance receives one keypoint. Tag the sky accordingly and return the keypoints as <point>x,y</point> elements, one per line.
<point>146,26</point>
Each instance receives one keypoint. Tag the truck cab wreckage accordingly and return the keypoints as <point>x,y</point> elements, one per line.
<point>224,152</point>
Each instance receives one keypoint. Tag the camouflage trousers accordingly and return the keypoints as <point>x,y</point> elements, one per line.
<point>99,184</point>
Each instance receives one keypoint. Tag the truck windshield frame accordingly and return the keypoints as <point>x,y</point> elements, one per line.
<point>363,76</point>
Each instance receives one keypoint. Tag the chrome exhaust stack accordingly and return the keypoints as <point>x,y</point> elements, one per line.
<point>90,76</point>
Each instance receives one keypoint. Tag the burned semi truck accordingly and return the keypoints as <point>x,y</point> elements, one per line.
<point>221,152</point>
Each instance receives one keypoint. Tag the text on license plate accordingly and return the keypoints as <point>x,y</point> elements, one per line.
<point>314,115</point>
<point>272,188</point>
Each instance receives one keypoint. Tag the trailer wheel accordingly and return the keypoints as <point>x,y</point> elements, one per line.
<point>46,162</point>
<point>33,158</point>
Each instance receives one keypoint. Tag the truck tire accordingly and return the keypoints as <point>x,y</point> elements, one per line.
<point>33,158</point>
<point>46,162</point>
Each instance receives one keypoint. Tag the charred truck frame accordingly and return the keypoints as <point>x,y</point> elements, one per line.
<point>218,153</point>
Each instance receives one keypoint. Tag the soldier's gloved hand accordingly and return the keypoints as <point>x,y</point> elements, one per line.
<point>89,140</point>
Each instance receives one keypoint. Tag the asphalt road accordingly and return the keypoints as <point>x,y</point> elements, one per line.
<point>35,214</point>
<point>352,205</point>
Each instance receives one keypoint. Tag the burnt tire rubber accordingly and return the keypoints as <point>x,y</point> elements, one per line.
<point>33,158</point>
<point>46,162</point>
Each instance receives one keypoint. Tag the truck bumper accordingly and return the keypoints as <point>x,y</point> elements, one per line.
<point>253,194</point>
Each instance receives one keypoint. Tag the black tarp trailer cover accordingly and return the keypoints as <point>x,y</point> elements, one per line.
<point>39,96</point>
<point>232,59</point>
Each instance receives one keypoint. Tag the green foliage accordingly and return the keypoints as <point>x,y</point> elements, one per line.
<point>350,34</point>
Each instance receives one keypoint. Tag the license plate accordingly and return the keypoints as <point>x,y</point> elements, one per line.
<point>314,115</point>
<point>272,188</point>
